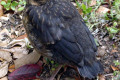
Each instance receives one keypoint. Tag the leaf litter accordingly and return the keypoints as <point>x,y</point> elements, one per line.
<point>14,50</point>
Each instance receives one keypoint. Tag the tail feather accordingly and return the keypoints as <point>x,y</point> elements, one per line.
<point>91,71</point>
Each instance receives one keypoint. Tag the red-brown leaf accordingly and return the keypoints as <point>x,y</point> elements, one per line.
<point>25,72</point>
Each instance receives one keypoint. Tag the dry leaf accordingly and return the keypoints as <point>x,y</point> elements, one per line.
<point>114,68</point>
<point>11,68</point>
<point>3,69</point>
<point>92,3</point>
<point>2,34</point>
<point>18,52</point>
<point>5,55</point>
<point>1,10</point>
<point>21,42</point>
<point>101,77</point>
<point>102,51</point>
<point>28,59</point>
<point>113,51</point>
<point>0,24</point>
<point>102,10</point>
<point>4,78</point>
<point>22,37</point>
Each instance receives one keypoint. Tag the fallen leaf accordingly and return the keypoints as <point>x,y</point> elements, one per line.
<point>1,10</point>
<point>0,24</point>
<point>114,68</point>
<point>21,42</point>
<point>92,3</point>
<point>113,51</point>
<point>22,37</point>
<point>3,69</point>
<point>4,78</point>
<point>18,52</point>
<point>4,43</point>
<point>11,68</point>
<point>101,50</point>
<point>28,59</point>
<point>5,55</point>
<point>101,77</point>
<point>25,72</point>
<point>4,32</point>
<point>102,10</point>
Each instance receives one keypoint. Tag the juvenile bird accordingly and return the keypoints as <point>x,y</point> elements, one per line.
<point>56,30</point>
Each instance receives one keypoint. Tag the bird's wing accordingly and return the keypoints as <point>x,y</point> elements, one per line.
<point>54,26</point>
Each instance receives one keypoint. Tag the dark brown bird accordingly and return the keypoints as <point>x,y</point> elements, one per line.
<point>56,30</point>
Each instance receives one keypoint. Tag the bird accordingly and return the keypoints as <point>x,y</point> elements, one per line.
<point>56,30</point>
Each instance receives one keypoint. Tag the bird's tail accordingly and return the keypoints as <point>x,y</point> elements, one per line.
<point>91,70</point>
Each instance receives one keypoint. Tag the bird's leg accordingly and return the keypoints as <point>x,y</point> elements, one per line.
<point>55,72</point>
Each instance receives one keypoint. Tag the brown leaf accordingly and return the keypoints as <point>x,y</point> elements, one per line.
<point>102,50</point>
<point>114,68</point>
<point>113,51</point>
<point>5,55</point>
<point>18,52</point>
<point>28,59</point>
<point>11,68</point>
<point>101,77</point>
<point>22,37</point>
<point>4,78</point>
<point>102,10</point>
<point>3,69</point>
<point>4,32</point>
<point>1,10</point>
<point>93,2</point>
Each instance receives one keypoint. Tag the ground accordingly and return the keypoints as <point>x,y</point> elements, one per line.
<point>16,46</point>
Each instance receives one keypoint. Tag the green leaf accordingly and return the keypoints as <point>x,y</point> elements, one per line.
<point>96,41</point>
<point>14,3</point>
<point>89,9</point>
<point>7,6</point>
<point>115,24</point>
<point>117,63</point>
<point>21,8</point>
<point>8,1</point>
<point>84,7</point>
<point>78,4</point>
<point>112,30</point>
<point>13,8</point>
<point>3,3</point>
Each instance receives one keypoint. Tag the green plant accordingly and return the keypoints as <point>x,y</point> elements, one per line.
<point>113,30</point>
<point>117,72</point>
<point>89,12</point>
<point>14,5</point>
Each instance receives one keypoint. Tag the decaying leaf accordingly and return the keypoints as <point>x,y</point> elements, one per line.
<point>3,69</point>
<point>4,78</point>
<point>4,32</point>
<point>102,10</point>
<point>28,59</point>
<point>101,77</point>
<point>114,68</point>
<point>92,3</point>
<point>5,55</point>
<point>102,50</point>
<point>11,68</point>
<point>25,72</point>
<point>1,10</point>
<point>18,52</point>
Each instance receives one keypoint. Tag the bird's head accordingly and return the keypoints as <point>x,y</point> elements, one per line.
<point>35,2</point>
